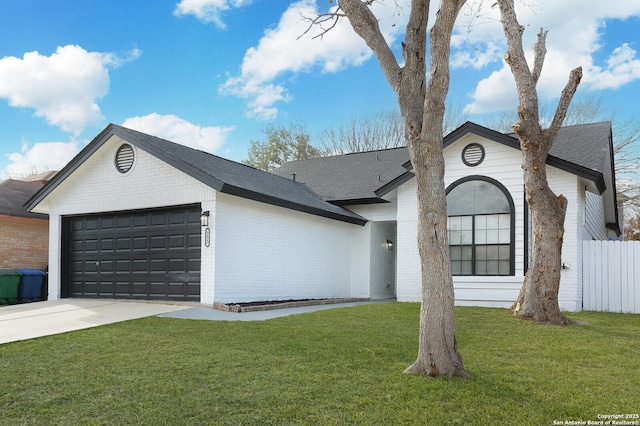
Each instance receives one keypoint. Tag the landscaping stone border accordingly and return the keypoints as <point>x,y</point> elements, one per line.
<point>252,307</point>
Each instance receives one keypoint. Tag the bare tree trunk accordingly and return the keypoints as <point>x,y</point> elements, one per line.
<point>423,111</point>
<point>437,352</point>
<point>538,299</point>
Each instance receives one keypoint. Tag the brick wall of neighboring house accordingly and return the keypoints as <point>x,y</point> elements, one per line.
<point>24,243</point>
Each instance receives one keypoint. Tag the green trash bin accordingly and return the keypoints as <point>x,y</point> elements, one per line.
<point>9,281</point>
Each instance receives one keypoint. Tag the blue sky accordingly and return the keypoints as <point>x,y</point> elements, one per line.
<point>212,74</point>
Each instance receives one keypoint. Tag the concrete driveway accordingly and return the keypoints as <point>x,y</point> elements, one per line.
<point>30,320</point>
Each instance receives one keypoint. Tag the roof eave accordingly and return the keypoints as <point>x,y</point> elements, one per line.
<point>394,184</point>
<point>592,175</point>
<point>71,166</point>
<point>349,217</point>
<point>169,158</point>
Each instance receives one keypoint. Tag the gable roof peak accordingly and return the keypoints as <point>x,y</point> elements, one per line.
<point>219,173</point>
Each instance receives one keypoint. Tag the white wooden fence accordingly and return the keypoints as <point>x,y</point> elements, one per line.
<point>611,276</point>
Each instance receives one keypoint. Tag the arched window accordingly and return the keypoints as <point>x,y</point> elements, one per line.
<point>481,227</point>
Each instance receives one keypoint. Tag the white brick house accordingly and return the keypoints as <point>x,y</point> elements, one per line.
<point>125,220</point>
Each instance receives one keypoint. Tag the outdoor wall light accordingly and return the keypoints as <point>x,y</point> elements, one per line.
<point>204,218</point>
<point>389,245</point>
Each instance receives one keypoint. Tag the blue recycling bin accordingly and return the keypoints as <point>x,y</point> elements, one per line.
<point>31,285</point>
<point>9,281</point>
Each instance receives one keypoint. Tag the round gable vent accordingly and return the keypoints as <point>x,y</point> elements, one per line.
<point>473,154</point>
<point>124,158</point>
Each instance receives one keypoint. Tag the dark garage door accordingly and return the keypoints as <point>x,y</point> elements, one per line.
<point>143,254</point>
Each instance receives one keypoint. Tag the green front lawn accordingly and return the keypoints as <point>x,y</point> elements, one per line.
<point>339,366</point>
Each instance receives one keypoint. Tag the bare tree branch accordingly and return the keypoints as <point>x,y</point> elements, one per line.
<point>563,105</point>
<point>319,20</point>
<point>365,24</point>
<point>540,49</point>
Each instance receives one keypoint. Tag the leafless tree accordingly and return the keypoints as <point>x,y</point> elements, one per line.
<point>538,298</point>
<point>381,130</point>
<point>422,106</point>
<point>626,137</point>
<point>371,132</point>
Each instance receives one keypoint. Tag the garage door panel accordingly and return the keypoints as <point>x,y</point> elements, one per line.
<point>107,244</point>
<point>91,246</point>
<point>141,254</point>
<point>123,265</point>
<point>91,224</point>
<point>140,243</point>
<point>107,222</point>
<point>107,267</point>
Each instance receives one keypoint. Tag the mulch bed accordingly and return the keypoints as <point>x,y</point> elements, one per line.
<point>280,304</point>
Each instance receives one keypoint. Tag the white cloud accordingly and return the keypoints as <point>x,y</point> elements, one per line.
<point>175,129</point>
<point>286,50</point>
<point>623,66</point>
<point>576,37</point>
<point>495,93</point>
<point>62,88</point>
<point>41,157</point>
<point>208,10</point>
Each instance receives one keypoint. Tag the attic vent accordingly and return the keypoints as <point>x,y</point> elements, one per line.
<point>473,154</point>
<point>124,158</point>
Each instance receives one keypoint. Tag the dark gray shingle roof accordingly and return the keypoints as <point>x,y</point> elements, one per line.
<point>363,177</point>
<point>220,174</point>
<point>585,145</point>
<point>13,195</point>
<point>350,177</point>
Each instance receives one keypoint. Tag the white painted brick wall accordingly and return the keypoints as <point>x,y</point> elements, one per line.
<point>265,252</point>
<point>208,255</point>
<point>501,163</point>
<point>55,230</point>
<point>96,186</point>
<point>570,292</point>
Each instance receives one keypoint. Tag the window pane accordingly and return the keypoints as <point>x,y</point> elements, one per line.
<point>481,267</point>
<point>467,253</point>
<point>493,252</point>
<point>492,236</point>
<point>504,253</point>
<point>455,253</point>
<point>481,236</point>
<point>492,222</point>
<point>461,260</point>
<point>504,267</point>
<point>481,253</point>
<point>454,237</point>
<point>456,268</point>
<point>504,236</point>
<point>466,237</point>
<point>492,267</point>
<point>481,222</point>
